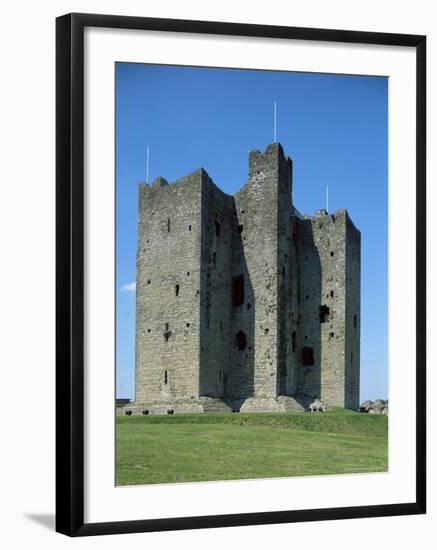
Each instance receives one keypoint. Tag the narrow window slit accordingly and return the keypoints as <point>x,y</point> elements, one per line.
<point>293,341</point>
<point>323,313</point>
<point>238,290</point>
<point>240,340</point>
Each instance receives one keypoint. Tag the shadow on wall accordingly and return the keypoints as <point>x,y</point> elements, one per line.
<point>240,382</point>
<point>311,315</point>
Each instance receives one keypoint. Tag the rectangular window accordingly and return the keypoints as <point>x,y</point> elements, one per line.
<point>238,290</point>
<point>323,313</point>
<point>307,357</point>
<point>217,228</point>
<point>168,225</point>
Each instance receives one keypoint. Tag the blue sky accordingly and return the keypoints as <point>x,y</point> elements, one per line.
<point>334,127</point>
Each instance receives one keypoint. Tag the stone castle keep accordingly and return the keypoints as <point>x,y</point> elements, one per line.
<point>241,302</point>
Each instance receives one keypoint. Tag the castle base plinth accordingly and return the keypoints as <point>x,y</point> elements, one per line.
<point>201,405</point>
<point>271,404</point>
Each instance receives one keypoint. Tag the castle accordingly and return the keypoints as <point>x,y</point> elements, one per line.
<point>241,302</point>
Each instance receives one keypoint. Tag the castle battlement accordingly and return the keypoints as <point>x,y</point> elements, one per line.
<point>242,303</point>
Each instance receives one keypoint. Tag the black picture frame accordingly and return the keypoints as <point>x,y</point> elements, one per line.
<point>70,273</point>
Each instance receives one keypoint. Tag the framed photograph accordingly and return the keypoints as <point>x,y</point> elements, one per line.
<point>240,274</point>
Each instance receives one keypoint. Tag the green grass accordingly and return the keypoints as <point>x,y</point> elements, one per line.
<point>206,447</point>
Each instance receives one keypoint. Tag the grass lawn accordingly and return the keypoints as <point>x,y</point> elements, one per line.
<point>214,446</point>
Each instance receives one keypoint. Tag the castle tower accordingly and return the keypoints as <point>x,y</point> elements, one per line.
<point>183,295</point>
<point>329,309</point>
<point>262,265</point>
<point>168,284</point>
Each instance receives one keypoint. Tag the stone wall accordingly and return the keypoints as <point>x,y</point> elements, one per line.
<point>168,287</point>
<point>353,315</point>
<point>256,255</point>
<point>215,289</point>
<point>329,260</point>
<point>308,342</point>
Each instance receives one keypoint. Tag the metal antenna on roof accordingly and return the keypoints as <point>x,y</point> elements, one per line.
<point>274,121</point>
<point>327,199</point>
<point>147,164</point>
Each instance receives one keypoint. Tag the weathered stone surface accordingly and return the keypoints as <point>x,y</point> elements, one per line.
<point>379,406</point>
<point>317,406</point>
<point>243,304</point>
<point>366,405</point>
<point>271,404</point>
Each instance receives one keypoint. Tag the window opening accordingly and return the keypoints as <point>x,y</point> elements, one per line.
<point>238,290</point>
<point>307,357</point>
<point>293,341</point>
<point>323,313</point>
<point>240,341</point>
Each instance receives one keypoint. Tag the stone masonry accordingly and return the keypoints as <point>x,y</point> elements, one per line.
<point>241,302</point>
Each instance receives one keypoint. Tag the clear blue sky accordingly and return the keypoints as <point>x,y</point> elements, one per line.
<point>334,127</point>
